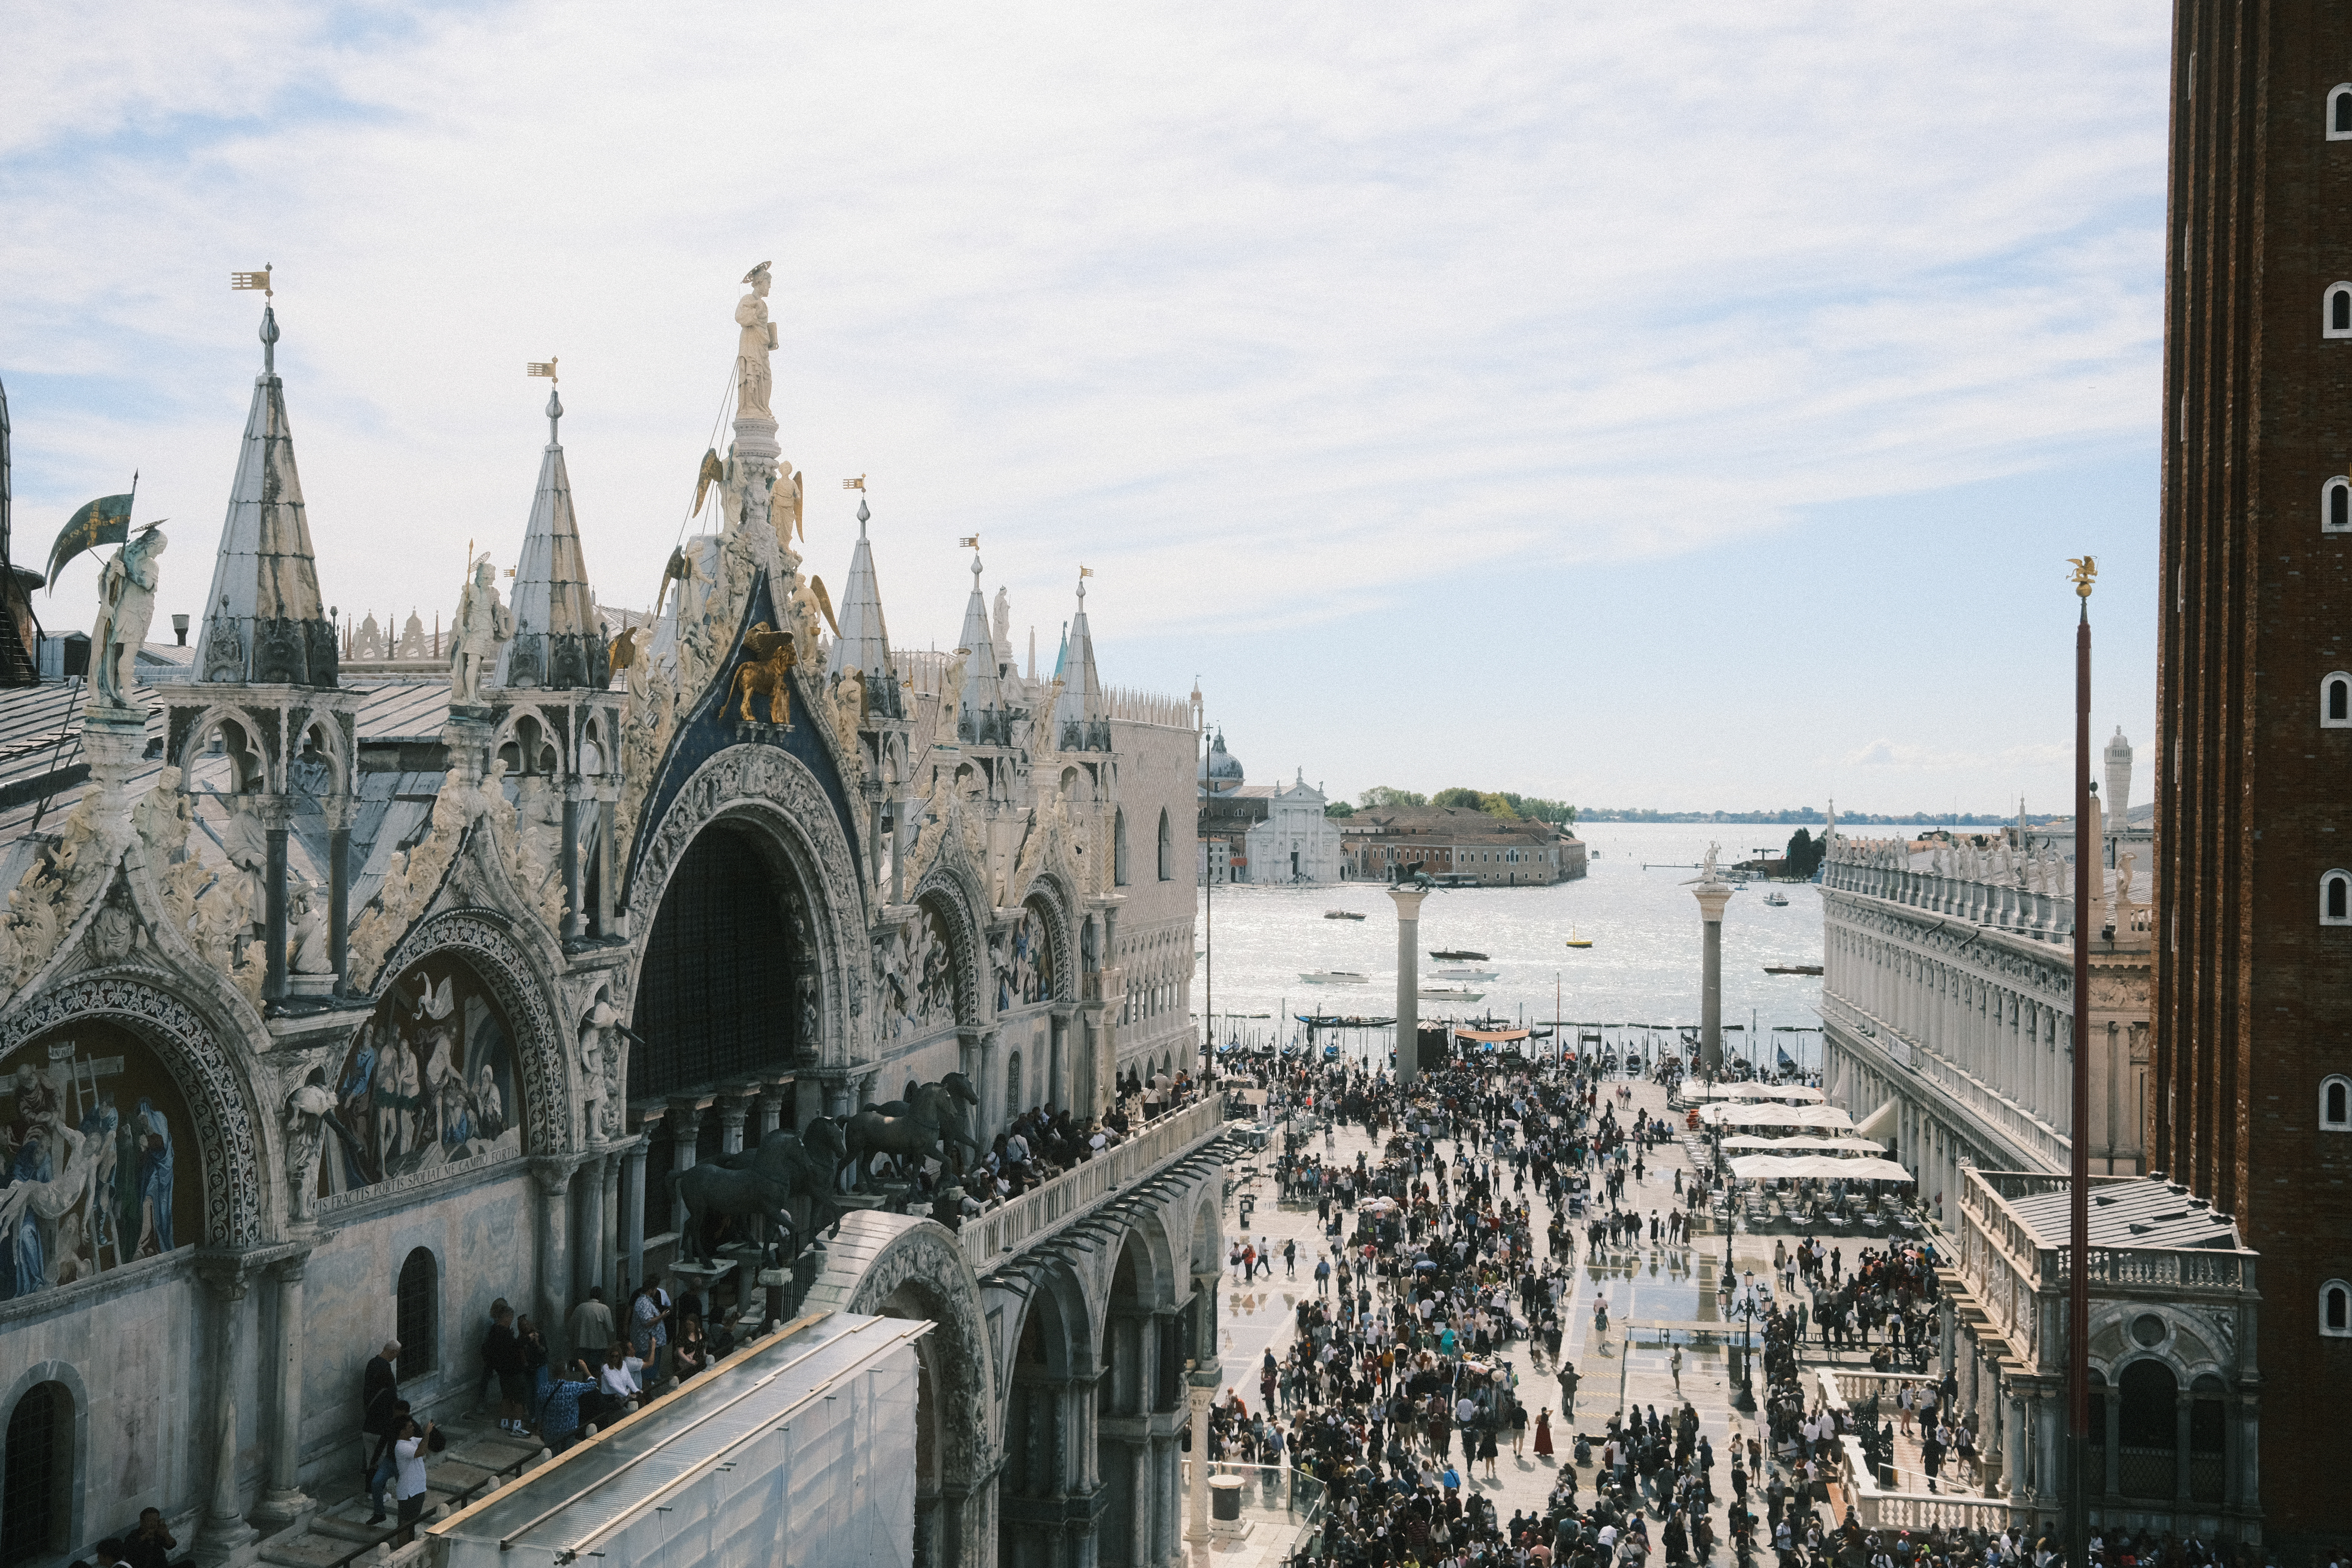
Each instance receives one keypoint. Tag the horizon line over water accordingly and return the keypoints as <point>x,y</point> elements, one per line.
<point>1643,967</point>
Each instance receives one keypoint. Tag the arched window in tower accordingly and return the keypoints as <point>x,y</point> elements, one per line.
<point>1118,848</point>
<point>2335,1320</point>
<point>1166,848</point>
<point>2336,700</point>
<point>2339,316</point>
<point>2335,899</point>
<point>416,1312</point>
<point>2335,1103</point>
<point>37,1492</point>
<point>2336,506</point>
<point>2339,114</point>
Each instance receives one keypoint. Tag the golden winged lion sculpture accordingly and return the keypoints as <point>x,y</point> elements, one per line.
<point>768,659</point>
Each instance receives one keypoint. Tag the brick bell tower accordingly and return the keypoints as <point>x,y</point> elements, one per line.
<point>2253,1019</point>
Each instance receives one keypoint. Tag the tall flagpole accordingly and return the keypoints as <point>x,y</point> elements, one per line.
<point>2078,1219</point>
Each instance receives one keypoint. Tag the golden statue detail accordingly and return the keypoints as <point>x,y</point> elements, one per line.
<point>766,668</point>
<point>2086,569</point>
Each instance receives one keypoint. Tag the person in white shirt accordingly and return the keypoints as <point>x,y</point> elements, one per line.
<point>408,1478</point>
<point>620,1376</point>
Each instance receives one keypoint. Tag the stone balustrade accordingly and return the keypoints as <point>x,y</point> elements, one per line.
<point>998,1235</point>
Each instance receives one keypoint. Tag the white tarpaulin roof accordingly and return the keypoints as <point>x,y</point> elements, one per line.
<point>1802,1145</point>
<point>1820,1167</point>
<point>1795,1091</point>
<point>798,1451</point>
<point>1826,1116</point>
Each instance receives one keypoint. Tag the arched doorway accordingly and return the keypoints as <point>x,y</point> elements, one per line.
<point>716,993</point>
<point>1138,1410</point>
<point>2147,1430</point>
<point>36,1485</point>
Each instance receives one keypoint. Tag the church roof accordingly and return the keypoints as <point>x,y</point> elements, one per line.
<point>558,642</point>
<point>263,621</point>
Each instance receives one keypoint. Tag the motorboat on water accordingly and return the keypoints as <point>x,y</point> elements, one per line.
<point>1335,977</point>
<point>1352,915</point>
<point>1576,941</point>
<point>1462,973</point>
<point>1446,993</point>
<point>1777,899</point>
<point>1792,969</point>
<point>1452,954</point>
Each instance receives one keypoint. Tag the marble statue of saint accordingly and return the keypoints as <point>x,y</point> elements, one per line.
<point>1708,870</point>
<point>482,625</point>
<point>246,840</point>
<point>307,928</point>
<point>126,604</point>
<point>757,341</point>
<point>2124,880</point>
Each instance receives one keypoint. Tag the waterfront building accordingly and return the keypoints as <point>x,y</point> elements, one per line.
<point>1466,847</point>
<point>336,1004</point>
<point>2252,1041</point>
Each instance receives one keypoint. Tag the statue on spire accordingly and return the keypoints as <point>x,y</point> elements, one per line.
<point>126,606</point>
<point>753,380</point>
<point>482,625</point>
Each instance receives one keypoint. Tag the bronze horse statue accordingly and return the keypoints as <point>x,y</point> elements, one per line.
<point>929,1124</point>
<point>763,1182</point>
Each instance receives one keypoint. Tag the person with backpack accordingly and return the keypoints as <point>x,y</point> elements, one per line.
<point>1323,1275</point>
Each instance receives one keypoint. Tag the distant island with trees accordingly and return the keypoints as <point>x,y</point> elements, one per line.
<point>1504,803</point>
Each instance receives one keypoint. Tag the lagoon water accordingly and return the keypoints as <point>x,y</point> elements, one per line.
<point>1642,968</point>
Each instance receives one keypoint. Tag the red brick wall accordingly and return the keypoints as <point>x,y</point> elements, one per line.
<point>2254,996</point>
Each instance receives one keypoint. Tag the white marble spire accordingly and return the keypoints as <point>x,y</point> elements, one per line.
<point>558,643</point>
<point>864,641</point>
<point>1081,718</point>
<point>980,714</point>
<point>263,620</point>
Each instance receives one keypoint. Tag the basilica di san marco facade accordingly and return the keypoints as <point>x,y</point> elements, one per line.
<point>351,985</point>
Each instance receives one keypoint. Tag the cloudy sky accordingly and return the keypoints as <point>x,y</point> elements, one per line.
<point>1679,405</point>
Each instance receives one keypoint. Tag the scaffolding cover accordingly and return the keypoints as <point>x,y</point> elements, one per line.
<point>798,1451</point>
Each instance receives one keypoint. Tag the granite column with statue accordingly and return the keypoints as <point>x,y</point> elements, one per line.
<point>1712,892</point>
<point>1408,990</point>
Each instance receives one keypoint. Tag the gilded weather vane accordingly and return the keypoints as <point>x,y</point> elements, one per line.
<point>254,281</point>
<point>535,367</point>
<point>2086,569</point>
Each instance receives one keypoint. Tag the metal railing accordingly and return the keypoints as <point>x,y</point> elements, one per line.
<point>991,1238</point>
<point>1280,1497</point>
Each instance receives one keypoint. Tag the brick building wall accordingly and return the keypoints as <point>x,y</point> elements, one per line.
<point>2253,994</point>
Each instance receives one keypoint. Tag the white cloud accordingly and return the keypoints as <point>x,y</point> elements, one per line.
<point>1273,314</point>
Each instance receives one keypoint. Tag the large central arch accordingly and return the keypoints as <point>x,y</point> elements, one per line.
<point>771,800</point>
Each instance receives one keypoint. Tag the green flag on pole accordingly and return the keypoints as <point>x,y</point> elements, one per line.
<point>106,520</point>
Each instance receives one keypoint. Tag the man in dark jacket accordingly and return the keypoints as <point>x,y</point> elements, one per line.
<point>378,1388</point>
<point>502,1357</point>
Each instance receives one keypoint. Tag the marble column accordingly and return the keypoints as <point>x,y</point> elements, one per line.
<point>595,1244</point>
<point>2013,1433</point>
<point>225,1536</point>
<point>273,981</point>
<point>284,1501</point>
<point>768,1110</point>
<point>1142,1491</point>
<point>732,1115</point>
<point>1196,1527</point>
<point>608,1231</point>
<point>685,1128</point>
<point>552,1234</point>
<point>633,1212</point>
<point>573,926</point>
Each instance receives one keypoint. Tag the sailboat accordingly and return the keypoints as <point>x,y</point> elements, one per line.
<point>1576,941</point>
